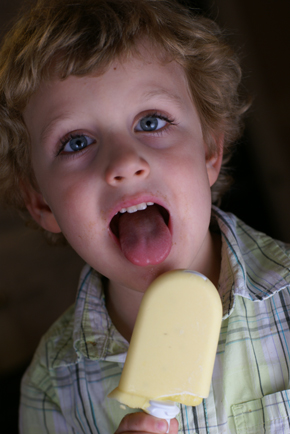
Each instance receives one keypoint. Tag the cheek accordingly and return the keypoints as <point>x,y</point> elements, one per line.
<point>70,202</point>
<point>189,174</point>
<point>193,194</point>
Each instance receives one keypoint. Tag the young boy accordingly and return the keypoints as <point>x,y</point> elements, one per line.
<point>116,120</point>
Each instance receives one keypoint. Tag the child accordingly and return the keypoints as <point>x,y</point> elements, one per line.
<point>117,118</point>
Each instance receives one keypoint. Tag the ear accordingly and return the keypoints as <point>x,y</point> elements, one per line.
<point>214,162</point>
<point>40,211</point>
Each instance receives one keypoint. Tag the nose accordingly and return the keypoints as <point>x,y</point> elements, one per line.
<point>126,165</point>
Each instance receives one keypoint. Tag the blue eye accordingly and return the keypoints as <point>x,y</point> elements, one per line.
<point>76,143</point>
<point>151,123</point>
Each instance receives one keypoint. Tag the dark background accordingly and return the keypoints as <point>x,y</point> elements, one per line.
<point>38,282</point>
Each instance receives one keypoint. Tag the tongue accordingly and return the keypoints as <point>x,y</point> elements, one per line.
<point>144,237</point>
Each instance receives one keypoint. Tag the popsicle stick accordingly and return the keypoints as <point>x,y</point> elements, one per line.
<point>164,410</point>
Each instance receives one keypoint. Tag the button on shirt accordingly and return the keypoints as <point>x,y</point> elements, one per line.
<point>80,360</point>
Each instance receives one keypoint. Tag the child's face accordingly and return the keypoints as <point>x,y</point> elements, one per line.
<point>107,143</point>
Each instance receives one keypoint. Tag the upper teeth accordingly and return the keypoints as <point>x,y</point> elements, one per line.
<point>135,208</point>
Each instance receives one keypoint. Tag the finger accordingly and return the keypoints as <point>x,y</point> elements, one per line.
<point>142,422</point>
<point>173,426</point>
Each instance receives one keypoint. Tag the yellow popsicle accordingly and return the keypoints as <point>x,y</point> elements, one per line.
<point>173,346</point>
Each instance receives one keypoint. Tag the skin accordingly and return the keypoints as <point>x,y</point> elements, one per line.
<point>141,422</point>
<point>80,192</point>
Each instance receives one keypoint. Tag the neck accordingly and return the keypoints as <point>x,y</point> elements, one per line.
<point>213,265</point>
<point>123,306</point>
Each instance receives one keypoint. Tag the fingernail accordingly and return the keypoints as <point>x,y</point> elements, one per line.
<point>162,426</point>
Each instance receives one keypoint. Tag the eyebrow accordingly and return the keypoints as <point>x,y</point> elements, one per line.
<point>161,92</point>
<point>51,126</point>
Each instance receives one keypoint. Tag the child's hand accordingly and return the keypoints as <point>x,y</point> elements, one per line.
<point>144,423</point>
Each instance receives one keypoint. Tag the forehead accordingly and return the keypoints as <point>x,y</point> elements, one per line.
<point>143,54</point>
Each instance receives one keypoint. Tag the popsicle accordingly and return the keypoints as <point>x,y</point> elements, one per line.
<point>174,342</point>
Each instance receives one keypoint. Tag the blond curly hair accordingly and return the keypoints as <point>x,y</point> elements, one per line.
<point>80,37</point>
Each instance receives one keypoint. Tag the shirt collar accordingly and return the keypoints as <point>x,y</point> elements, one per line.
<point>253,266</point>
<point>95,336</point>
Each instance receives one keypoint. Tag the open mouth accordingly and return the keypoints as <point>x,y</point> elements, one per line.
<point>142,233</point>
<point>142,207</point>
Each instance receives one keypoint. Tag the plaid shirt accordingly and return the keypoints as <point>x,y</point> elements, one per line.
<point>80,359</point>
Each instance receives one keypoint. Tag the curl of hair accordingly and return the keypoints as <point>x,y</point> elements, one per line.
<point>82,37</point>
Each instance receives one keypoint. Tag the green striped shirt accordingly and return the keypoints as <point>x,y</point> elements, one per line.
<point>79,361</point>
